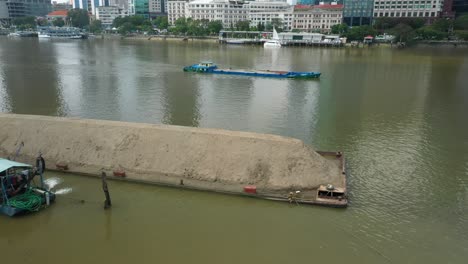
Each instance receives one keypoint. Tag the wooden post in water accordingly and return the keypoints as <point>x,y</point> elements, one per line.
<point>107,202</point>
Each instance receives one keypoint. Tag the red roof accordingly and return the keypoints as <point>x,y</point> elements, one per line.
<point>58,13</point>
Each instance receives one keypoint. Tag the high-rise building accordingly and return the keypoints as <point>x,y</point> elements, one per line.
<point>428,9</point>
<point>357,12</point>
<point>460,6</point>
<point>90,5</point>
<point>157,7</point>
<point>139,7</point>
<point>10,9</point>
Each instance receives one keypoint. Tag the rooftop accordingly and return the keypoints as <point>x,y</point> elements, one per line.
<point>58,13</point>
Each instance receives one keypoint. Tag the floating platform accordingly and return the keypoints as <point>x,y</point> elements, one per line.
<point>210,67</point>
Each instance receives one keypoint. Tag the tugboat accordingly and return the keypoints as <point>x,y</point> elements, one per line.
<point>19,193</point>
<point>210,67</point>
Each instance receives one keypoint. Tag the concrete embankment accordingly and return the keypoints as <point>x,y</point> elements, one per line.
<point>210,159</point>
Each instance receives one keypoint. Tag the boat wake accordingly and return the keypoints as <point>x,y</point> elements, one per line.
<point>53,182</point>
<point>63,191</point>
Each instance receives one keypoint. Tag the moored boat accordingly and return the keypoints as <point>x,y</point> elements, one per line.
<point>18,192</point>
<point>210,67</point>
<point>274,42</point>
<point>61,33</point>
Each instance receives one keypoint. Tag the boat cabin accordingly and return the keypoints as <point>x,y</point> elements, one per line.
<point>18,193</point>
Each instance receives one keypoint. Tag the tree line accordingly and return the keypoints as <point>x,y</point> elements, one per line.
<point>408,29</point>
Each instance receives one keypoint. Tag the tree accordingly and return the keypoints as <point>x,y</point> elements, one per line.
<point>402,32</point>
<point>25,22</point>
<point>243,25</point>
<point>161,22</point>
<point>359,32</point>
<point>126,28</point>
<point>96,26</point>
<point>215,26</point>
<point>430,33</point>
<point>78,17</point>
<point>442,24</point>
<point>181,25</point>
<point>42,22</point>
<point>462,22</point>
<point>339,29</point>
<point>277,23</point>
<point>260,26</point>
<point>58,22</point>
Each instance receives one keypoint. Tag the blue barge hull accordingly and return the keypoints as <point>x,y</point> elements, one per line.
<point>209,67</point>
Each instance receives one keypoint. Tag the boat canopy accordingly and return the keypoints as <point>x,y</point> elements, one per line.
<point>206,63</point>
<point>8,164</point>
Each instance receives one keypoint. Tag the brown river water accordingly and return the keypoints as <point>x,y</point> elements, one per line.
<point>400,117</point>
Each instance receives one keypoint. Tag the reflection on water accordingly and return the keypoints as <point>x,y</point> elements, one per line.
<point>399,116</point>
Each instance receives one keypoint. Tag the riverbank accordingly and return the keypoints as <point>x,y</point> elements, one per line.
<point>204,159</point>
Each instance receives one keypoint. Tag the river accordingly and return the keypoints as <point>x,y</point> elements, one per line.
<point>400,117</point>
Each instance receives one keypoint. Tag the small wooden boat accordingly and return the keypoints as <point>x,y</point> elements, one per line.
<point>18,193</point>
<point>210,67</point>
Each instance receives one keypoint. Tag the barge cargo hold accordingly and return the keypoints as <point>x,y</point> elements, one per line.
<point>210,67</point>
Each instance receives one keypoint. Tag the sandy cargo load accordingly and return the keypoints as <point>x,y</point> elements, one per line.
<point>259,165</point>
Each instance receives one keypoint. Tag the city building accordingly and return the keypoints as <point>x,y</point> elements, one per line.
<point>139,7</point>
<point>317,18</point>
<point>429,9</point>
<point>61,6</point>
<point>10,9</point>
<point>107,14</point>
<point>460,6</point>
<point>229,12</point>
<point>357,12</point>
<point>176,9</point>
<point>90,5</point>
<point>157,7</point>
<point>264,11</point>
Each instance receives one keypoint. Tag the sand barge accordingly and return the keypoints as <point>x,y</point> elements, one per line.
<point>266,166</point>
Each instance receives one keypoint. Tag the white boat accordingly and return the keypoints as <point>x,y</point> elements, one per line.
<point>60,32</point>
<point>274,42</point>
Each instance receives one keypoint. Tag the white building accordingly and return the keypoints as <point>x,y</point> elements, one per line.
<point>176,9</point>
<point>407,8</point>
<point>229,12</point>
<point>318,18</point>
<point>264,11</point>
<point>107,14</point>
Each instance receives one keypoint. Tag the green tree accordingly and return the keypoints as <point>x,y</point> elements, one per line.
<point>429,33</point>
<point>126,28</point>
<point>42,22</point>
<point>339,29</point>
<point>214,27</point>
<point>58,22</point>
<point>359,32</point>
<point>277,23</point>
<point>442,24</point>
<point>78,17</point>
<point>181,25</point>
<point>260,26</point>
<point>96,26</point>
<point>403,32</point>
<point>461,22</point>
<point>243,25</point>
<point>25,22</point>
<point>161,22</point>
